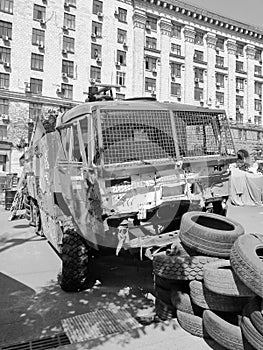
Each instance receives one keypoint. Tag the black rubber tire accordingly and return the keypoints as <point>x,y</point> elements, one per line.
<point>164,311</point>
<point>75,259</point>
<point>206,299</point>
<point>208,233</point>
<point>253,311</point>
<point>163,295</point>
<point>176,267</point>
<point>163,282</point>
<point>224,333</point>
<point>220,278</point>
<point>182,302</point>
<point>251,334</point>
<point>191,323</point>
<point>246,260</point>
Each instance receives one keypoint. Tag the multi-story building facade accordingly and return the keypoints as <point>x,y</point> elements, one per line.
<point>51,50</point>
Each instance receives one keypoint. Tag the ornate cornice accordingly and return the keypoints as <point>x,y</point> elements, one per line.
<point>166,27</point>
<point>231,46</point>
<point>211,40</point>
<point>139,19</point>
<point>179,7</point>
<point>189,34</point>
<point>250,51</point>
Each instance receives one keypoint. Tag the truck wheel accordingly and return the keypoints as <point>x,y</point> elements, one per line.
<point>75,258</point>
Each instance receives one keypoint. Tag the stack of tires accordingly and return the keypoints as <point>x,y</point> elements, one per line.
<point>209,281</point>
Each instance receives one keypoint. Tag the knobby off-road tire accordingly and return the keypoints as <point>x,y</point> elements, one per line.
<point>180,267</point>
<point>223,332</point>
<point>251,334</point>
<point>209,234</point>
<point>246,260</point>
<point>220,278</point>
<point>192,324</point>
<point>253,311</point>
<point>206,299</point>
<point>75,259</point>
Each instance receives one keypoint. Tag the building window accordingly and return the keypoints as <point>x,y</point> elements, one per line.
<point>69,21</point>
<point>122,15</point>
<point>151,43</point>
<point>68,68</point>
<point>258,121</point>
<point>239,66</point>
<point>95,51</point>
<point>220,98</point>
<point>4,81</point>
<point>67,91</point>
<point>39,13</point>
<point>245,134</point>
<point>258,88</point>
<point>176,31</point>
<point>258,105</point>
<point>176,70</point>
<point>6,6</point>
<point>4,106</point>
<point>176,89</point>
<point>239,84</point>
<point>199,75</point>
<point>36,86</point>
<point>240,101</point>
<point>97,28</point>
<point>120,78</point>
<point>198,56</point>
<point>240,49</point>
<point>198,94</point>
<point>151,23</point>
<point>258,70</point>
<point>150,63</point>
<point>121,36</point>
<point>220,43</point>
<point>37,62</point>
<point>239,119</point>
<point>121,57</point>
<point>258,55</point>
<point>3,136</point>
<point>150,85</point>
<point>176,49</point>
<point>120,96</point>
<point>95,73</point>
<point>38,37</point>
<point>5,30</point>
<point>97,7</point>
<point>199,38</point>
<point>220,61</point>
<point>35,111</point>
<point>5,54</point>
<point>68,44</point>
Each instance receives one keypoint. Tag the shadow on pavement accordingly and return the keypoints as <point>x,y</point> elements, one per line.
<point>121,281</point>
<point>10,243</point>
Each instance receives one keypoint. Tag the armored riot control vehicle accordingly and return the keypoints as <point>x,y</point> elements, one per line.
<point>121,174</point>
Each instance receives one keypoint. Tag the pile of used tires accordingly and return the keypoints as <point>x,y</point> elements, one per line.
<point>212,281</point>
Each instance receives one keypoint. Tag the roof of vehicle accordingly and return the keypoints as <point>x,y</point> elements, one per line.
<point>133,104</point>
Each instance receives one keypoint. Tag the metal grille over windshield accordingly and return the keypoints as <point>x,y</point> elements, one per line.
<point>130,136</point>
<point>201,134</point>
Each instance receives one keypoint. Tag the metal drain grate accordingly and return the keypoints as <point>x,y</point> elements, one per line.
<point>41,344</point>
<point>98,323</point>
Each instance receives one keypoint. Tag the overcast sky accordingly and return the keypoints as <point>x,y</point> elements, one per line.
<point>247,11</point>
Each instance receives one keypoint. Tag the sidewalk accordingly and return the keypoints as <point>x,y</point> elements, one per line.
<point>32,304</point>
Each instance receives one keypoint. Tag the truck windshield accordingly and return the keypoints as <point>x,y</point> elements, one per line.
<point>129,136</point>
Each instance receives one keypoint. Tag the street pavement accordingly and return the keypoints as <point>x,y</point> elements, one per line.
<point>32,304</point>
